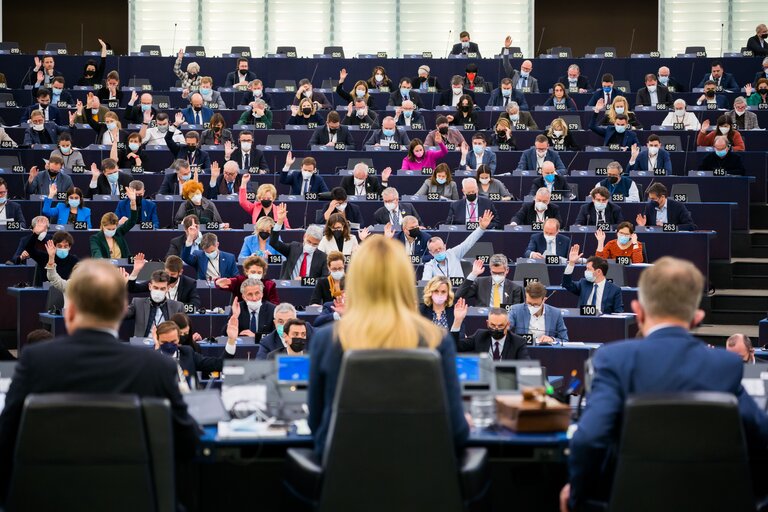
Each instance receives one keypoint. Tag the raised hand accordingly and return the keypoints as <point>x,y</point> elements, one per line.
<point>38,63</point>
<point>95,172</point>
<point>507,41</point>
<point>362,234</point>
<point>192,232</point>
<point>134,97</point>
<point>147,116</point>
<point>180,55</point>
<point>215,171</point>
<point>289,159</point>
<point>748,89</point>
<point>235,309</point>
<point>179,119</point>
<point>130,194</point>
<point>185,93</point>
<point>139,261</point>
<point>385,174</point>
<point>486,219</point>
<point>574,255</point>
<point>52,189</point>
<point>342,75</point>
<point>438,137</point>
<point>229,148</point>
<point>350,109</point>
<point>600,236</point>
<point>640,219</point>
<point>599,105</point>
<point>460,310</point>
<point>72,116</point>
<point>32,173</point>
<point>282,213</point>
<point>50,248</point>
<point>634,152</point>
<point>232,323</point>
<point>294,110</point>
<point>389,231</point>
<point>79,107</point>
<point>338,306</point>
<point>464,148</point>
<point>705,125</point>
<point>633,238</point>
<point>102,43</point>
<point>244,180</point>
<point>478,267</point>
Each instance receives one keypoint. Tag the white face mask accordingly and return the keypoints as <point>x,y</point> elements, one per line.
<point>485,181</point>
<point>38,127</point>
<point>253,305</point>
<point>309,249</point>
<point>724,129</point>
<point>550,238</point>
<point>541,206</point>
<point>498,278</point>
<point>533,309</point>
<point>739,113</point>
<point>557,133</point>
<point>680,112</point>
<point>653,150</point>
<point>245,147</point>
<point>306,174</point>
<point>337,275</point>
<point>541,153</point>
<point>157,295</point>
<point>197,198</point>
<point>254,275</point>
<point>390,206</point>
<point>41,236</point>
<point>342,207</point>
<point>358,181</point>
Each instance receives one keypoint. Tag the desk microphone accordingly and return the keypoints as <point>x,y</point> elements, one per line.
<point>173,44</point>
<point>631,42</point>
<point>447,44</point>
<point>541,39</point>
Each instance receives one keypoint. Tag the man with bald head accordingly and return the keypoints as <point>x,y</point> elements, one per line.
<point>741,345</point>
<point>136,114</point>
<point>723,158</point>
<point>91,359</point>
<point>668,81</point>
<point>521,80</point>
<point>668,360</point>
<point>388,134</point>
<point>361,183</point>
<point>550,180</point>
<point>472,206</point>
<point>197,113</point>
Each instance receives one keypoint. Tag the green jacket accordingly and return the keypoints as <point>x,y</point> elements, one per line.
<point>755,99</point>
<point>247,118</point>
<point>99,247</point>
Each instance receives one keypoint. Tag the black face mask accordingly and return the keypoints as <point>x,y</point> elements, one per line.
<point>298,344</point>
<point>306,111</point>
<point>443,130</point>
<point>337,234</point>
<point>471,197</point>
<point>264,235</point>
<point>89,73</point>
<point>332,130</point>
<point>763,91</point>
<point>496,334</point>
<point>614,179</point>
<point>185,339</point>
<point>197,109</point>
<point>654,204</point>
<point>466,108</point>
<point>191,147</point>
<point>414,233</point>
<point>173,279</point>
<point>501,135</point>
<point>266,203</point>
<point>710,94</point>
<point>53,173</point>
<point>216,128</point>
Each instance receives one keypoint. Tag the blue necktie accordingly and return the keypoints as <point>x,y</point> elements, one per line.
<point>253,322</point>
<point>594,296</point>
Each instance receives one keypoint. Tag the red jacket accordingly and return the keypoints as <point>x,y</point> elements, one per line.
<point>270,288</point>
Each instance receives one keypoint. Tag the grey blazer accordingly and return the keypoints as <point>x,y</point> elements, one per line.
<point>478,292</point>
<point>514,75</point>
<point>494,187</point>
<point>449,190</point>
<point>139,309</point>
<point>750,120</point>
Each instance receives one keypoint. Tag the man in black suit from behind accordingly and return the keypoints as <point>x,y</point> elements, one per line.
<point>97,300</point>
<point>496,340</point>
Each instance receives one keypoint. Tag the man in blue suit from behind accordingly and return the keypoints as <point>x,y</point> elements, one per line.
<point>594,289</point>
<point>668,360</point>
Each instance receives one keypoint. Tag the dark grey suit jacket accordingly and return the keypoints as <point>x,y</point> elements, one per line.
<point>478,292</point>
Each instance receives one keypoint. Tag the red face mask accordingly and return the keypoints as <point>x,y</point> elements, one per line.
<point>471,76</point>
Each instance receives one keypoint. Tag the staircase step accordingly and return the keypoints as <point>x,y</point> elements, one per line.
<point>722,301</point>
<point>735,317</point>
<point>716,334</point>
<point>758,216</point>
<point>749,281</point>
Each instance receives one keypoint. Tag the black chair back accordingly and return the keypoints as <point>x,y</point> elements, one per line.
<point>682,451</point>
<point>93,452</point>
<point>397,398</point>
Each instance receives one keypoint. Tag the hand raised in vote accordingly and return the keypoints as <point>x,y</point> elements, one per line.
<point>574,255</point>
<point>640,219</point>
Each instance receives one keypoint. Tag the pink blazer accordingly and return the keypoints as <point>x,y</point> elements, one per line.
<point>429,160</point>
<point>254,209</point>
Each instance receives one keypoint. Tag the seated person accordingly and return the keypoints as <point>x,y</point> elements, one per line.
<point>488,185</point>
<point>560,99</point>
<point>543,322</point>
<point>424,81</point>
<point>538,210</point>
<point>406,115</point>
<point>211,98</point>
<point>518,119</point>
<point>575,81</point>
<point>41,131</point>
<point>361,183</point>
<point>723,81</point>
<point>227,183</point>
<point>110,241</point>
<point>167,336</point>
<point>394,212</point>
<point>625,244</point>
<point>359,114</point>
<point>148,211</point>
<point>302,259</point>
<point>560,137</point>
<point>498,341</point>
<point>181,288</point>
<point>256,92</point>
<point>502,134</point>
<point>329,288</point>
<point>451,96</point>
<point>447,261</point>
<point>465,46</point>
<point>195,204</point>
<point>491,291</point>
<point>415,240</point>
<point>339,204</point>
<point>241,77</point>
<point>255,318</point>
<point>652,157</point>
<point>450,134</point>
<point>130,156</point>
<point>441,183</point>
<point>274,340</point>
<point>741,118</point>
<point>71,155</point>
<point>533,158</point>
<point>620,105</point>
<point>43,103</point>
<point>405,93</point>
<point>305,113</point>
<point>606,93</point>
<point>217,133</point>
<point>389,133</point>
<point>621,188</point>
<point>247,156</point>
<point>599,210</point>
<point>69,212</point>
<point>472,208</point>
<point>337,237</point>
<point>438,302</point>
<point>174,182</point>
<point>419,157</point>
<point>653,93</point>
<point>760,95</point>
<point>724,129</point>
<point>332,133</point>
<point>295,339</point>
<point>155,135</point>
<point>668,81</point>
<point>550,242</point>
<point>550,180</point>
<point>59,96</point>
<point>379,79</point>
<point>505,94</point>
<point>197,113</point>
<point>680,119</point>
<point>359,90</point>
<point>190,151</point>
<point>618,135</point>
<point>257,244</point>
<point>11,210</point>
<point>465,113</point>
<point>149,312</point>
<point>480,154</point>
<point>254,267</point>
<point>722,158</point>
<point>109,181</point>
<point>594,289</point>
<point>209,262</point>
<point>306,91</point>
<point>710,97</point>
<point>472,80</point>
<point>259,112</point>
<point>174,248</point>
<point>660,210</point>
<point>303,181</point>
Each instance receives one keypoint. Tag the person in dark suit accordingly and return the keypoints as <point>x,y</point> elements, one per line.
<point>173,182</point>
<point>652,157</point>
<point>294,341</point>
<point>414,239</point>
<point>256,317</point>
<point>538,210</point>
<point>360,183</point>
<point>653,93</point>
<point>44,72</point>
<point>247,155</point>
<point>472,207</point>
<point>50,112</point>
<point>167,337</point>
<point>534,158</point>
<point>302,259</point>
<point>305,90</point>
<point>711,97</point>
<point>340,204</point>
<point>758,43</point>
<point>255,92</point>
<point>109,181</point>
<point>723,158</point>
<point>331,287</point>
<point>550,242</point>
<point>197,113</point>
<point>147,207</point>
<point>96,302</point>
<point>405,93</point>
<point>599,210</point>
<point>305,180</point>
<point>227,183</point>
<point>191,151</point>
<point>498,341</point>
<point>424,80</point>
<point>606,93</point>
<point>668,81</point>
<point>177,243</point>
<point>723,81</point>
<point>135,114</point>
<point>208,261</point>
<point>451,96</point>
<point>274,340</point>
<point>620,134</point>
<point>149,312</point>
<point>550,180</point>
<point>41,131</point>
<point>594,289</point>
<point>408,117</point>
<point>360,113</point>
<point>388,133</point>
<point>242,76</point>
<point>465,46</point>
<point>492,291</point>
<point>39,183</point>
<point>332,133</point>
<point>661,210</point>
<point>668,360</point>
<point>181,288</point>
<point>505,94</point>
<point>394,212</point>
<point>575,81</point>
<point>331,312</point>
<point>10,210</point>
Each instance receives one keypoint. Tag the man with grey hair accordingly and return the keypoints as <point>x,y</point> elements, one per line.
<point>741,118</point>
<point>472,207</point>
<point>723,158</point>
<point>669,82</point>
<point>574,81</point>
<point>256,316</point>
<point>407,115</point>
<point>680,118</point>
<point>741,345</point>
<point>273,341</point>
<point>302,259</point>
<point>620,187</point>
<point>491,291</point>
<point>447,261</point>
<point>211,263</point>
<point>389,133</point>
<point>518,119</point>
<point>415,240</point>
<point>360,183</point>
<point>668,360</point>
<point>541,209</point>
<point>394,212</point>
<point>192,76</point>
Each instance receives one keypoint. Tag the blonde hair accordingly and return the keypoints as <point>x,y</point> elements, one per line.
<point>264,188</point>
<point>264,223</point>
<point>109,219</point>
<point>115,118</point>
<point>381,307</point>
<point>504,123</point>
<point>557,121</point>
<point>611,114</point>
<point>432,287</point>
<point>301,106</point>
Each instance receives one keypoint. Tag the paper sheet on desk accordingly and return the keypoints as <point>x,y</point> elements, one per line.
<point>248,429</point>
<point>255,395</point>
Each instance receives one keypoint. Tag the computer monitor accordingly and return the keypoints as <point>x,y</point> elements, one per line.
<point>755,383</point>
<point>512,376</point>
<point>240,371</point>
<point>293,370</point>
<point>468,368</point>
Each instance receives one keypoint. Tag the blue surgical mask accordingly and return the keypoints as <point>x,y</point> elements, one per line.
<point>111,125</point>
<point>133,146</point>
<point>440,257</point>
<point>186,177</point>
<point>441,181</point>
<point>589,276</point>
<point>109,233</point>
<point>408,113</point>
<point>62,253</point>
<point>73,203</point>
<point>146,108</point>
<point>506,93</point>
<point>56,91</point>
<point>360,93</point>
<point>212,255</point>
<point>206,91</point>
<point>549,178</point>
<point>664,80</point>
<point>3,200</point>
<point>112,178</point>
<point>514,118</point>
<point>65,150</point>
<point>477,148</point>
<point>607,90</point>
<point>721,152</point>
<point>279,330</point>
<point>388,132</point>
<point>600,206</point>
<point>619,110</point>
<point>623,239</point>
<point>404,91</point>
<point>620,128</point>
